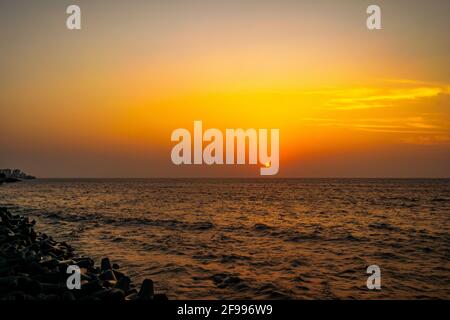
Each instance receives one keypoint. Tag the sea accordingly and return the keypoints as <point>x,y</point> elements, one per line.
<point>254,238</point>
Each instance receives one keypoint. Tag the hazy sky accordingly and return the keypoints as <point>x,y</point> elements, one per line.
<point>103,101</point>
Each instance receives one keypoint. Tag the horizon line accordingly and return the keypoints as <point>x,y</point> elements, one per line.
<point>254,178</point>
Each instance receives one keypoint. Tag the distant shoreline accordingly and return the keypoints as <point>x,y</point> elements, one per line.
<point>14,175</point>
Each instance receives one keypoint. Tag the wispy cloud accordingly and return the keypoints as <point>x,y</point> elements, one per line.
<point>410,114</point>
<point>427,139</point>
<point>416,129</point>
<point>379,97</point>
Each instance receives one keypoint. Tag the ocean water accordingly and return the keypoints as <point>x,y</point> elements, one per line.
<point>274,239</point>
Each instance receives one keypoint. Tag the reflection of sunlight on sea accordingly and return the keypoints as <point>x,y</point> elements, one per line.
<point>254,238</point>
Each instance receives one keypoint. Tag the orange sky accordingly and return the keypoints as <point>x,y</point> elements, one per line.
<point>103,101</point>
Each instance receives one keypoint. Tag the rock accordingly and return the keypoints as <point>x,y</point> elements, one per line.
<point>105,264</point>
<point>28,285</point>
<point>68,296</point>
<point>90,287</point>
<point>108,275</point>
<point>8,284</point>
<point>65,263</point>
<point>110,295</point>
<point>9,233</point>
<point>33,267</point>
<point>49,277</point>
<point>49,263</point>
<point>160,297</point>
<point>85,263</point>
<point>132,295</point>
<point>52,288</point>
<point>109,283</point>
<point>146,292</point>
<point>124,284</point>
<point>119,275</point>
<point>87,277</point>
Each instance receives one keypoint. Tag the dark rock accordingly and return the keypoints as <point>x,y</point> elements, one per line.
<point>132,295</point>
<point>124,284</point>
<point>90,287</point>
<point>36,268</point>
<point>33,266</point>
<point>48,277</point>
<point>110,295</point>
<point>8,284</point>
<point>53,288</point>
<point>109,283</point>
<point>28,285</point>
<point>160,297</point>
<point>146,291</point>
<point>68,296</point>
<point>105,264</point>
<point>119,275</point>
<point>108,275</point>
<point>49,263</point>
<point>85,263</point>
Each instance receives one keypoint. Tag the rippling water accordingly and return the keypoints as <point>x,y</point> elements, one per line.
<point>255,238</point>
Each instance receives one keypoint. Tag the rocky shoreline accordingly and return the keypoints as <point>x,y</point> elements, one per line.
<point>14,175</point>
<point>33,266</point>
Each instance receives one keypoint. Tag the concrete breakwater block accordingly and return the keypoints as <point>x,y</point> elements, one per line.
<point>33,266</point>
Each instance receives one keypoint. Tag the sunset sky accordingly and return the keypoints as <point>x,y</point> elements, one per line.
<point>103,101</point>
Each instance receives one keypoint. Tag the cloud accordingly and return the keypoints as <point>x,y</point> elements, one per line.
<point>427,139</point>
<point>367,98</point>
<point>413,117</point>
<point>420,129</point>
